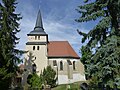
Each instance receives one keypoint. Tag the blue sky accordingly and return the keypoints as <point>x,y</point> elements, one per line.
<point>58,20</point>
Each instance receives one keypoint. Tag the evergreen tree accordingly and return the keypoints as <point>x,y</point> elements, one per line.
<point>9,55</point>
<point>48,76</point>
<point>103,66</point>
<point>34,81</point>
<point>86,54</point>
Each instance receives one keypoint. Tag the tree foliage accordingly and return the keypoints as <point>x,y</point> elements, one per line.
<point>34,80</point>
<point>104,39</point>
<point>9,55</point>
<point>48,76</point>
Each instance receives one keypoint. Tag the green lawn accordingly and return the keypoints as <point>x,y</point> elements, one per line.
<point>73,86</point>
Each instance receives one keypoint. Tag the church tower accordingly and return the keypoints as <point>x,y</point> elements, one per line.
<point>37,46</point>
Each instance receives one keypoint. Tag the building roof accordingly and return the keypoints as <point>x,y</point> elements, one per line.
<point>38,30</point>
<point>58,49</point>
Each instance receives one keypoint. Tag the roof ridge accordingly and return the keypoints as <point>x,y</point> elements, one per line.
<point>58,41</point>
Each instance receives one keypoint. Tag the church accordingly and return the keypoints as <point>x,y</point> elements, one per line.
<point>58,54</point>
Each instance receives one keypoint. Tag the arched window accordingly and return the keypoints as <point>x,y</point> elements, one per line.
<point>34,68</point>
<point>61,65</point>
<point>73,65</point>
<point>54,63</point>
<point>37,47</point>
<point>33,47</point>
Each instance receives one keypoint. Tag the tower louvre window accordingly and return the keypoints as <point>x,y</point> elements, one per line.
<point>38,37</point>
<point>35,37</point>
<point>37,47</point>
<point>33,47</point>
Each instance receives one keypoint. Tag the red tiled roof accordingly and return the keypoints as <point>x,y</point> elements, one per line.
<point>61,49</point>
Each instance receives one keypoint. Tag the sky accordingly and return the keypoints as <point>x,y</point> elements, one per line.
<point>58,18</point>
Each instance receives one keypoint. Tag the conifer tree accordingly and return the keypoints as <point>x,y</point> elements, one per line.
<point>102,66</point>
<point>9,55</point>
<point>48,76</point>
<point>34,81</point>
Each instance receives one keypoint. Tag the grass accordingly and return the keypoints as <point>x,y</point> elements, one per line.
<point>73,86</point>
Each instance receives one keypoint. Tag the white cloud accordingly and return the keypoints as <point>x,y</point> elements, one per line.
<point>59,27</point>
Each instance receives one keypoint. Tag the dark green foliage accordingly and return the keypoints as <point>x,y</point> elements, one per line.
<point>86,54</point>
<point>102,66</point>
<point>49,76</point>
<point>9,55</point>
<point>34,81</point>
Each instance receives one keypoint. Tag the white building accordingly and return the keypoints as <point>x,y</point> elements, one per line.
<point>59,54</point>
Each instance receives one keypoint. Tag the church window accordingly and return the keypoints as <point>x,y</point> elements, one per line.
<point>69,62</point>
<point>37,47</point>
<point>35,37</point>
<point>33,47</point>
<point>34,68</point>
<point>38,37</point>
<point>54,63</point>
<point>73,65</point>
<point>61,65</point>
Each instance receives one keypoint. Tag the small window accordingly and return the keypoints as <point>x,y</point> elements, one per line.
<point>54,63</point>
<point>35,37</point>
<point>33,47</point>
<point>73,65</point>
<point>35,58</point>
<point>61,65</point>
<point>37,47</point>
<point>34,68</point>
<point>38,37</point>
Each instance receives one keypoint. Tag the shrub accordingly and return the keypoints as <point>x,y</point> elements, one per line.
<point>48,76</point>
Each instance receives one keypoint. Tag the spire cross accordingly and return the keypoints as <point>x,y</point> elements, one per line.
<point>39,4</point>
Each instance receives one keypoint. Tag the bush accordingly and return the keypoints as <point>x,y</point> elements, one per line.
<point>34,81</point>
<point>48,76</point>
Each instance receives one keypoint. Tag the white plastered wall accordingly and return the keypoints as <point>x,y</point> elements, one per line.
<point>41,39</point>
<point>78,73</point>
<point>40,56</point>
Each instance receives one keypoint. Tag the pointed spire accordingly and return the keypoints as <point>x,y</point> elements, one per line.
<point>39,22</point>
<point>38,29</point>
